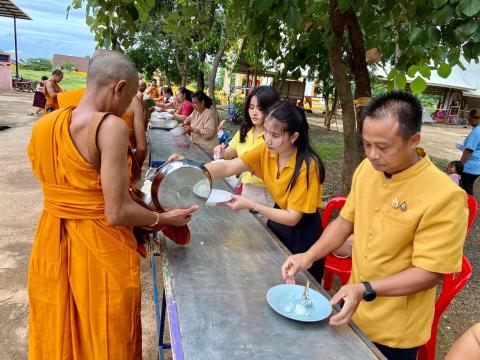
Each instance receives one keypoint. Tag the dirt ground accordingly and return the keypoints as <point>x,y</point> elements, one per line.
<point>437,140</point>
<point>21,203</point>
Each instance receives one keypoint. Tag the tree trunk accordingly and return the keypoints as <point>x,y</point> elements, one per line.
<point>330,113</point>
<point>182,68</point>
<point>217,59</point>
<point>200,75</point>
<point>282,83</point>
<point>344,91</point>
<point>327,109</point>
<point>360,73</point>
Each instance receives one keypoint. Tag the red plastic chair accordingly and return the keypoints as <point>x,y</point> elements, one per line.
<point>472,211</point>
<point>334,265</point>
<point>452,284</point>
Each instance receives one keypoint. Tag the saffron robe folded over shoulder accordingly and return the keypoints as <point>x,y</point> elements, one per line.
<point>84,275</point>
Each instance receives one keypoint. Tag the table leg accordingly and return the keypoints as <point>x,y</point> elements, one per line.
<point>159,315</point>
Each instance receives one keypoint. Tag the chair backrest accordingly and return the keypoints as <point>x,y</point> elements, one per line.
<point>472,211</point>
<point>452,284</point>
<point>335,203</point>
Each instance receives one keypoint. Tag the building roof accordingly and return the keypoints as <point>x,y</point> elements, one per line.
<point>467,81</point>
<point>81,63</point>
<point>9,9</point>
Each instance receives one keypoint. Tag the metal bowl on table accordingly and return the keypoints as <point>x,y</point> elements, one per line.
<point>178,184</point>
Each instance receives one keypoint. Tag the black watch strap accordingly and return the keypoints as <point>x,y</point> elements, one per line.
<point>369,294</point>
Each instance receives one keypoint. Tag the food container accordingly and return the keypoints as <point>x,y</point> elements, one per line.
<point>178,131</point>
<point>177,184</point>
<point>162,124</point>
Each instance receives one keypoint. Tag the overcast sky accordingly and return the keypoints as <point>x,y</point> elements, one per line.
<point>49,32</point>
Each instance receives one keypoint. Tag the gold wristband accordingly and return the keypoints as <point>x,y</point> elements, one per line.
<point>158,219</point>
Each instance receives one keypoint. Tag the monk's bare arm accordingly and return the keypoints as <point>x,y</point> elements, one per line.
<point>50,89</point>
<point>139,131</point>
<point>120,209</point>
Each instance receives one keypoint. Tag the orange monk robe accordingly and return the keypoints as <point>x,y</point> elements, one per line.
<point>84,275</point>
<point>153,93</point>
<point>70,97</point>
<point>52,102</point>
<point>128,117</point>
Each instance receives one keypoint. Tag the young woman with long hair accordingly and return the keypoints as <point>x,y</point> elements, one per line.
<point>250,135</point>
<point>293,174</point>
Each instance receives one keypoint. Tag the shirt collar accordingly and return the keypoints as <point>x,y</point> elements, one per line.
<point>412,171</point>
<point>291,162</point>
<point>250,133</point>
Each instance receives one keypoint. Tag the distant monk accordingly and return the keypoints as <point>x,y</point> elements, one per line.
<point>52,88</point>
<point>152,90</point>
<point>142,86</point>
<point>135,119</point>
<point>84,275</point>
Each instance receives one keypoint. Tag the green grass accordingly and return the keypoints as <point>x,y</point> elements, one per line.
<point>329,149</point>
<point>70,80</point>
<point>439,162</point>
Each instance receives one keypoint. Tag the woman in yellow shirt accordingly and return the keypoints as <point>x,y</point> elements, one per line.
<point>293,174</point>
<point>250,135</point>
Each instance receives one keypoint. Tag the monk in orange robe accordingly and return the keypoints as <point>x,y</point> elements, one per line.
<point>152,91</point>
<point>135,120</point>
<point>84,273</point>
<point>52,88</point>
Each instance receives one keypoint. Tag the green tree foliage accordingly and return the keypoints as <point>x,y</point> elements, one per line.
<point>69,66</point>
<point>414,38</point>
<point>115,23</point>
<point>39,64</point>
<point>157,34</point>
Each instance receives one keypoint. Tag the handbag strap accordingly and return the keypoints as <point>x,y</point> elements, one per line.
<point>94,153</point>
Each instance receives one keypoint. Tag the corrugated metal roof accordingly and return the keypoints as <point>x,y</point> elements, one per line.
<point>9,9</point>
<point>468,80</point>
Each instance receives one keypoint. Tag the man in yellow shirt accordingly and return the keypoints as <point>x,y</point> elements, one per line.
<point>410,223</point>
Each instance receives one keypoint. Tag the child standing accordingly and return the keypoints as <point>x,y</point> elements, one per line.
<point>39,98</point>
<point>455,170</point>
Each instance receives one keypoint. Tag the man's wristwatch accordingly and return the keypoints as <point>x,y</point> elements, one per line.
<point>369,294</point>
<point>254,210</point>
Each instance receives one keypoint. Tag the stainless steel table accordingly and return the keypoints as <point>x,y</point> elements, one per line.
<point>215,289</point>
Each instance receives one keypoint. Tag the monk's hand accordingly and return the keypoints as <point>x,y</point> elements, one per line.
<point>294,264</point>
<point>179,217</point>
<point>238,203</point>
<point>350,295</point>
<point>175,157</point>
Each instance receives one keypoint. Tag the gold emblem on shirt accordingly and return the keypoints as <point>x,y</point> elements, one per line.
<point>395,203</point>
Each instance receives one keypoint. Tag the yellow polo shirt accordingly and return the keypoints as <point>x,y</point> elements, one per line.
<point>428,233</point>
<point>301,198</point>
<point>241,148</point>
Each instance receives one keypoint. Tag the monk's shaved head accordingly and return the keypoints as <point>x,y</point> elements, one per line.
<point>107,67</point>
<point>142,85</point>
